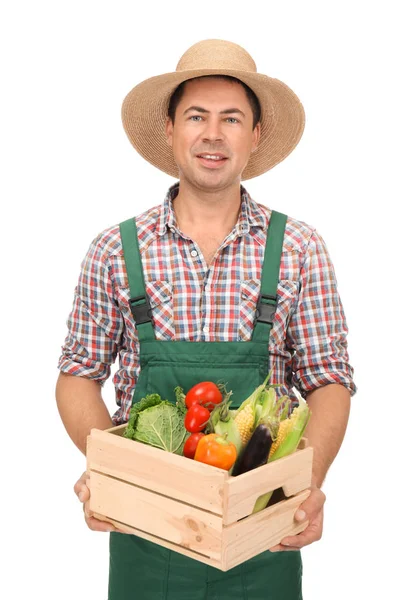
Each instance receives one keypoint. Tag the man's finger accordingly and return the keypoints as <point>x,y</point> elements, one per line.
<point>313,533</point>
<point>83,493</point>
<point>280,548</point>
<point>311,506</point>
<point>97,525</point>
<point>82,484</point>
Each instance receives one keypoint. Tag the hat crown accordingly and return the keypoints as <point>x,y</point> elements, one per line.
<point>216,54</point>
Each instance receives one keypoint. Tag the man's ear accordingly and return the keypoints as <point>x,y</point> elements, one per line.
<point>169,129</point>
<point>256,137</point>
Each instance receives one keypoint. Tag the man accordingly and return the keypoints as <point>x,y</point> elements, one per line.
<point>210,280</point>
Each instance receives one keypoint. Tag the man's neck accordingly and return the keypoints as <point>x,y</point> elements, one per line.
<point>202,211</point>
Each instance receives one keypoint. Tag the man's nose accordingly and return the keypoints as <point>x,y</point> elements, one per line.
<point>212,130</point>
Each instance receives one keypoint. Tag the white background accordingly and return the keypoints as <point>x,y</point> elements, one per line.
<point>68,172</point>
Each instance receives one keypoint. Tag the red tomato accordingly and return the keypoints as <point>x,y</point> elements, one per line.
<point>205,393</point>
<point>196,418</point>
<point>189,449</point>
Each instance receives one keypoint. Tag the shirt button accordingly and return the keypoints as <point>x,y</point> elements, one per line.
<point>206,329</point>
<point>193,253</point>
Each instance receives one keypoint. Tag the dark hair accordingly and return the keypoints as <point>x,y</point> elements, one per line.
<point>251,97</point>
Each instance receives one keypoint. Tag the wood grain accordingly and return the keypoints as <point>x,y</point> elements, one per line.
<point>182,524</point>
<point>292,472</point>
<point>259,532</point>
<point>163,472</point>
<point>124,528</point>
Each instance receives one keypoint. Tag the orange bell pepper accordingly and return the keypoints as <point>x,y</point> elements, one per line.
<point>215,450</point>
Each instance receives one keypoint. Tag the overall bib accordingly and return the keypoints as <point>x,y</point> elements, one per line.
<point>142,570</point>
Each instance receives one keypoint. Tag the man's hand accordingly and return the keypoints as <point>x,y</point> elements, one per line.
<point>312,510</point>
<point>81,489</point>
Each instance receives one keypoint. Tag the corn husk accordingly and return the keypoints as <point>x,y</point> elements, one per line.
<point>299,419</point>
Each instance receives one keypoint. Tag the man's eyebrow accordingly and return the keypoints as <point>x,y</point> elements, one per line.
<point>227,111</point>
<point>196,108</point>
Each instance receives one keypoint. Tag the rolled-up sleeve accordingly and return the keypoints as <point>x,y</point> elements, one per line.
<point>317,332</point>
<point>95,323</point>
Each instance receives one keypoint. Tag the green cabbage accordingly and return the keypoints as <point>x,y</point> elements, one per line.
<point>158,423</point>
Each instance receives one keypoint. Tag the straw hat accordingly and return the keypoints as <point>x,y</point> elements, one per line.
<point>145,108</point>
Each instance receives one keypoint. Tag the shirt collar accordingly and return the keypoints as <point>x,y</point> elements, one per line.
<point>250,214</point>
<point>167,214</point>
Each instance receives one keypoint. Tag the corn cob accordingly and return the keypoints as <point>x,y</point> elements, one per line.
<point>245,423</point>
<point>292,431</point>
<point>253,409</point>
<point>284,428</point>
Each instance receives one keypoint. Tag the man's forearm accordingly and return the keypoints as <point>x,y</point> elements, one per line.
<point>330,408</point>
<point>81,407</point>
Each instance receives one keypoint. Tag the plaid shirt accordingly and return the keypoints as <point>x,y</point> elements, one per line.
<point>193,302</point>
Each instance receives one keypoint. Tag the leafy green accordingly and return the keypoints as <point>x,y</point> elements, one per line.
<point>158,423</point>
<point>180,399</point>
<point>136,408</point>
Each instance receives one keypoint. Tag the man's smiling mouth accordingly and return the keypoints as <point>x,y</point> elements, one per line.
<point>212,159</point>
<point>212,156</point>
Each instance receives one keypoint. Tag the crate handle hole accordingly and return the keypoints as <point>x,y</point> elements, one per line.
<point>277,496</point>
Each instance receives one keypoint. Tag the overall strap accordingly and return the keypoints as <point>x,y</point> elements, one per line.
<point>139,303</point>
<point>269,278</point>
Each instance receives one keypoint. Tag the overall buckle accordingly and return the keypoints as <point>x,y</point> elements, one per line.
<point>265,310</point>
<point>141,312</point>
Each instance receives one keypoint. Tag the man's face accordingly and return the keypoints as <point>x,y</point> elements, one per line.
<point>212,137</point>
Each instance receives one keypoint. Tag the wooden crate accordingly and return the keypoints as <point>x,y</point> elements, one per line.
<point>191,507</point>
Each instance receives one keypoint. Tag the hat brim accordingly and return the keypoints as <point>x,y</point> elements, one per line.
<point>145,108</point>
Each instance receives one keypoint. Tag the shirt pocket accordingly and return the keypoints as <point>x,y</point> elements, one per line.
<point>160,298</point>
<point>249,294</point>
<point>287,302</point>
<point>287,294</point>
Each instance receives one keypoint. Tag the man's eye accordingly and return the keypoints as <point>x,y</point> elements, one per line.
<point>195,118</point>
<point>232,120</point>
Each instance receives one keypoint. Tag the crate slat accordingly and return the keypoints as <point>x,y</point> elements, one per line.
<point>163,472</point>
<point>303,444</point>
<point>122,527</point>
<point>182,524</point>
<point>292,472</point>
<point>118,429</point>
<point>261,531</point>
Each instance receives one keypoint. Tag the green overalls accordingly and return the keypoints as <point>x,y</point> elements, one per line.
<point>142,570</point>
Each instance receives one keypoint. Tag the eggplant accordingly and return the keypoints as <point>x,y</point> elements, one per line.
<point>256,451</point>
